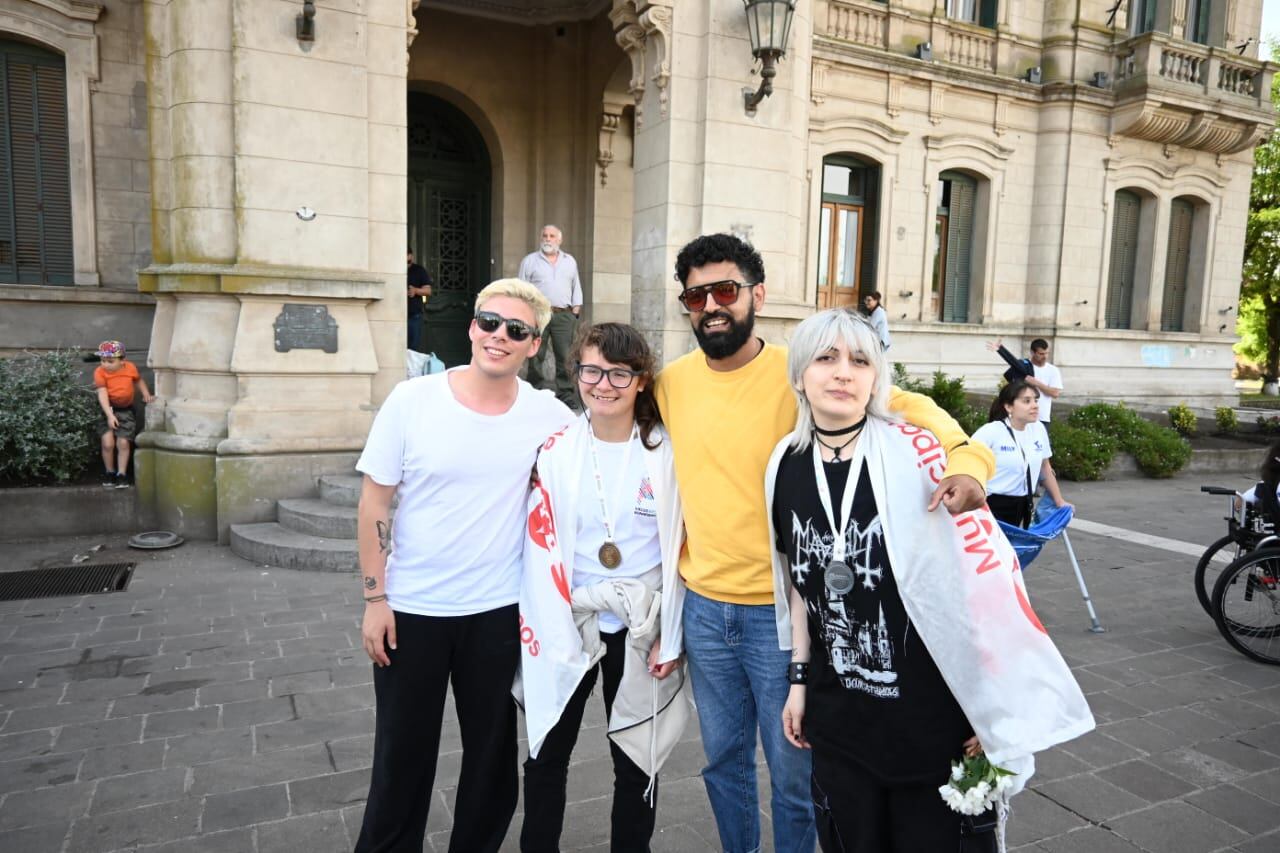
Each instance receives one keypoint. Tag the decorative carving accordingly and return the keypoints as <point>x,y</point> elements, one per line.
<point>411,23</point>
<point>893,98</point>
<point>1000,121</point>
<point>656,21</point>
<point>610,120</point>
<point>630,37</point>
<point>937,92</point>
<point>818,82</point>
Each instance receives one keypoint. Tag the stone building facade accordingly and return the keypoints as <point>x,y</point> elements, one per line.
<point>242,175</point>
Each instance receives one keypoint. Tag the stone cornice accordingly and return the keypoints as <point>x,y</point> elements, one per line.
<point>80,10</point>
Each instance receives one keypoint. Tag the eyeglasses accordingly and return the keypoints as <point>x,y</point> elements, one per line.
<point>619,377</point>
<point>723,292</point>
<point>517,330</point>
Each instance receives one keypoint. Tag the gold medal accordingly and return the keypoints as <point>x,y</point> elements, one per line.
<point>610,556</point>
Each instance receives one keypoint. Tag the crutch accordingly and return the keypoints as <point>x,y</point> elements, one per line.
<point>1096,626</point>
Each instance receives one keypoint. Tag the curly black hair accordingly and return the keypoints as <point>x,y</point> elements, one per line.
<point>714,248</point>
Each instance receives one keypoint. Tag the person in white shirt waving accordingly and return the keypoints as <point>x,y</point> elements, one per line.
<point>1020,442</point>
<point>441,587</point>
<point>602,577</point>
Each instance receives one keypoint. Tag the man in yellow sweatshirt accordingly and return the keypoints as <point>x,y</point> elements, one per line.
<point>726,405</point>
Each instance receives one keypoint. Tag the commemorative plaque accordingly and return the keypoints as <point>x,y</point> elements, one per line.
<point>301,326</point>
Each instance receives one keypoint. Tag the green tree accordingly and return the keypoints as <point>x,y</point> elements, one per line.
<point>1259,317</point>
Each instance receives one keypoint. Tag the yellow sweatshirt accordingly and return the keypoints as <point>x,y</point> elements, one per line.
<point>723,427</point>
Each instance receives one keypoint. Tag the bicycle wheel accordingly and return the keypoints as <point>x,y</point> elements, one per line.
<point>1246,605</point>
<point>1208,571</point>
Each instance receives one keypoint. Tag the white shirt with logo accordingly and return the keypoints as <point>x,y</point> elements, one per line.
<point>1017,452</point>
<point>463,482</point>
<point>634,510</point>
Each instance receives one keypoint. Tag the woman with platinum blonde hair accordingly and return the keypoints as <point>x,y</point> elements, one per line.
<point>912,642</point>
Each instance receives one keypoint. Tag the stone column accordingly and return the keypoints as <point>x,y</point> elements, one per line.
<point>703,165</point>
<point>278,196</point>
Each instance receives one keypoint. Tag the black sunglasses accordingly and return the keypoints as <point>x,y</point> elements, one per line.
<point>619,377</point>
<point>517,330</point>
<point>723,292</point>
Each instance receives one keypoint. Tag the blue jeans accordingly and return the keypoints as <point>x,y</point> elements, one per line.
<point>740,681</point>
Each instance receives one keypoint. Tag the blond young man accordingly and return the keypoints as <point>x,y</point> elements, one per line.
<point>441,586</point>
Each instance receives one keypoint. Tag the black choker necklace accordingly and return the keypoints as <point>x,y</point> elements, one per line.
<point>845,431</point>
<point>856,429</point>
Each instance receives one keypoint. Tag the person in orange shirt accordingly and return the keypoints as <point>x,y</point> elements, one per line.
<point>115,380</point>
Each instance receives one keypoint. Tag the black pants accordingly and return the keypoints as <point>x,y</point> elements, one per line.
<point>856,813</point>
<point>479,655</point>
<point>546,777</point>
<point>1011,509</point>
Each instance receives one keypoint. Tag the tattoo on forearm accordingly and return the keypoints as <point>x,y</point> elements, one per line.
<point>384,537</point>
<point>370,582</point>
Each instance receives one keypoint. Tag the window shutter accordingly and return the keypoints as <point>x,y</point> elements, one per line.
<point>1124,256</point>
<point>8,262</point>
<point>38,198</point>
<point>955,299</point>
<point>1181,214</point>
<point>987,13</point>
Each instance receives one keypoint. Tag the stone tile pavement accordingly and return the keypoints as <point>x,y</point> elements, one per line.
<point>222,706</point>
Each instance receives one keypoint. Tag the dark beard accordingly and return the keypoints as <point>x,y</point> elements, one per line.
<point>724,344</point>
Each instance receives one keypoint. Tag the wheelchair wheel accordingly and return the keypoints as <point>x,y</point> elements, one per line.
<point>1246,605</point>
<point>1208,571</point>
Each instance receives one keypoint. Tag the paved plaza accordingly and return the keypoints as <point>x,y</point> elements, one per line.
<point>221,706</point>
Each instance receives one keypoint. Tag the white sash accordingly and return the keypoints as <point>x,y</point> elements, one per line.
<point>963,591</point>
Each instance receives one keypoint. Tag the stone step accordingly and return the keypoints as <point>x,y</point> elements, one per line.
<point>317,517</point>
<point>341,489</point>
<point>272,545</point>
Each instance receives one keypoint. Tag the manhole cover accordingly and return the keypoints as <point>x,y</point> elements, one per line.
<point>154,540</point>
<point>65,580</point>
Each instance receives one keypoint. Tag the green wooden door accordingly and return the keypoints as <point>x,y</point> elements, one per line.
<point>449,186</point>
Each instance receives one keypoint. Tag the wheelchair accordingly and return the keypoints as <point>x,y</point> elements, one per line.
<point>1247,530</point>
<point>1245,597</point>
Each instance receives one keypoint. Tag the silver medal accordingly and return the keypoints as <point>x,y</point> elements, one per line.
<point>839,577</point>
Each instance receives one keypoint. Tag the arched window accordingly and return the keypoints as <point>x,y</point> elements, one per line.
<point>35,187</point>
<point>953,247</point>
<point>1125,222</point>
<point>847,226</point>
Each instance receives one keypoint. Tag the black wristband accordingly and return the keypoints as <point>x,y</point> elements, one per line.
<point>798,672</point>
<point>373,599</point>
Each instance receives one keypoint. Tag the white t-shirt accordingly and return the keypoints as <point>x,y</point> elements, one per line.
<point>464,482</point>
<point>1051,376</point>
<point>880,322</point>
<point>1016,454</point>
<point>629,495</point>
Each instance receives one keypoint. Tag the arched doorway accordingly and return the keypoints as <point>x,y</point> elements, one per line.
<point>449,186</point>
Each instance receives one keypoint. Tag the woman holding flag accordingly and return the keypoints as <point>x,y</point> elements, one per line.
<point>601,595</point>
<point>911,636</point>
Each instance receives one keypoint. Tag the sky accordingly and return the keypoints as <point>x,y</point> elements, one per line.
<point>1270,21</point>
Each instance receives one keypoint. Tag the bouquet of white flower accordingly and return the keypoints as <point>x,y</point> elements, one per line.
<point>975,785</point>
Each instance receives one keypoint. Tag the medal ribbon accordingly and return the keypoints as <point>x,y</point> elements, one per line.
<point>599,480</point>
<point>846,501</point>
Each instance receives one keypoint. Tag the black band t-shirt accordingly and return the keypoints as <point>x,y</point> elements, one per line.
<point>874,694</point>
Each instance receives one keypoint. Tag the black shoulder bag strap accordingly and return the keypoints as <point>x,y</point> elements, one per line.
<point>1026,470</point>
